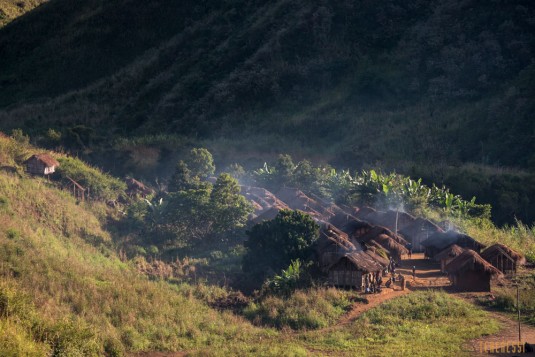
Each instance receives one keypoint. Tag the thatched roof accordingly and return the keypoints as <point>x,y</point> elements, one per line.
<point>497,249</point>
<point>270,213</point>
<point>297,200</point>
<point>450,252</point>
<point>340,218</point>
<point>45,159</point>
<point>361,260</point>
<point>355,224</point>
<point>418,226</point>
<point>329,236</point>
<point>364,211</point>
<point>388,219</point>
<point>135,185</point>
<point>441,240</point>
<point>385,241</point>
<point>372,252</point>
<point>377,230</point>
<point>261,198</point>
<point>470,260</point>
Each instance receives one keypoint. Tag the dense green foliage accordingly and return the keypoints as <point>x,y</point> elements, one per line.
<point>193,210</point>
<point>272,245</point>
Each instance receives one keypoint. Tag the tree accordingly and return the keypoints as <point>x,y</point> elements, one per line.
<point>201,163</point>
<point>229,208</point>
<point>182,178</point>
<point>272,245</point>
<point>187,214</point>
<point>285,169</point>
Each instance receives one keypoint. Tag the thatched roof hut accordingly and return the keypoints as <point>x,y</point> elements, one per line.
<point>418,231</point>
<point>503,258</point>
<point>378,235</point>
<point>374,253</point>
<point>340,218</point>
<point>353,270</point>
<point>356,228</point>
<point>447,255</point>
<point>270,213</point>
<point>331,244</point>
<point>388,219</point>
<point>135,187</point>
<point>441,240</point>
<point>362,212</point>
<point>41,164</point>
<point>470,272</point>
<point>297,200</point>
<point>377,230</point>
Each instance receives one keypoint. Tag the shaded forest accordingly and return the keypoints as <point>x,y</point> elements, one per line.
<point>437,89</point>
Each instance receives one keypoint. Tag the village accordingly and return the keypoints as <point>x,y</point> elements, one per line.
<point>379,255</point>
<point>360,248</point>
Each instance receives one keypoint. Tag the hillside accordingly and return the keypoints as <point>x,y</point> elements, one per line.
<point>423,87</point>
<point>66,290</point>
<point>11,9</point>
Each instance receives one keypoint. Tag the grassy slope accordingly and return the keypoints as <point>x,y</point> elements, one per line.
<point>11,9</point>
<point>64,290</point>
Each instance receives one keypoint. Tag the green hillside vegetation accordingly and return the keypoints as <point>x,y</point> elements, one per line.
<point>11,9</point>
<point>428,88</point>
<point>68,290</point>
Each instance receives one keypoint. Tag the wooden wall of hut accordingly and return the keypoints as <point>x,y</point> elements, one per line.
<point>504,264</point>
<point>345,274</point>
<point>470,280</point>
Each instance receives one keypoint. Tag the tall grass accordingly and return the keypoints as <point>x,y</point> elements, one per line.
<point>420,324</point>
<point>304,309</point>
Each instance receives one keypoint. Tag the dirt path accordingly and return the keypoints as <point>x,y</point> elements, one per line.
<point>373,301</point>
<point>428,274</point>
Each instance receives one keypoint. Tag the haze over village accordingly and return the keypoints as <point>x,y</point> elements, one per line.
<point>288,178</point>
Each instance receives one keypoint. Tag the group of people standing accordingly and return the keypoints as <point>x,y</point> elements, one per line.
<point>373,282</point>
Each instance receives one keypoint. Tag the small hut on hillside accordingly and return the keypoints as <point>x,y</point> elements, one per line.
<point>134,188</point>
<point>503,258</point>
<point>470,272</point>
<point>418,231</point>
<point>353,269</point>
<point>41,164</point>
<point>441,240</point>
<point>447,255</point>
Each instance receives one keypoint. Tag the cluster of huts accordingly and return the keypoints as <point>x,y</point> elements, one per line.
<point>469,267</point>
<point>357,244</point>
<point>350,251</point>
